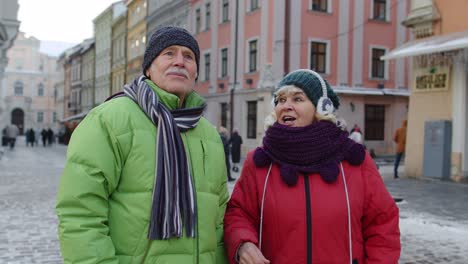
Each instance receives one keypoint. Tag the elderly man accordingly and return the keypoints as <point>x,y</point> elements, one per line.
<point>145,180</point>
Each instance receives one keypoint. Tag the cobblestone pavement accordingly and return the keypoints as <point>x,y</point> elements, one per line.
<point>28,184</point>
<point>433,222</point>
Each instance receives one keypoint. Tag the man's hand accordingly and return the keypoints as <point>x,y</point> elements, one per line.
<point>250,254</point>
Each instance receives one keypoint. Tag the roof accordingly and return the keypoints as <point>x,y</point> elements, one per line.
<point>370,91</point>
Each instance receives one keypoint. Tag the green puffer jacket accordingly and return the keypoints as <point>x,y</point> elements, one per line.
<point>105,194</point>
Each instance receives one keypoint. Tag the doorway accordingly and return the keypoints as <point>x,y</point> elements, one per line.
<point>17,118</point>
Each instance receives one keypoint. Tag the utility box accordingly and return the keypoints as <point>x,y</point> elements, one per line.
<point>437,149</point>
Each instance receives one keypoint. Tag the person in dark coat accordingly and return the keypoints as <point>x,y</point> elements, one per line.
<point>44,136</point>
<point>30,137</point>
<point>50,136</point>
<point>236,142</point>
<point>224,138</point>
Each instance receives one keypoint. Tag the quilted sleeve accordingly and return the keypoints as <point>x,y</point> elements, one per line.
<point>242,213</point>
<point>91,173</point>
<point>380,222</point>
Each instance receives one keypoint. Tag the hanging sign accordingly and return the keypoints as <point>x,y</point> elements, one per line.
<point>432,79</point>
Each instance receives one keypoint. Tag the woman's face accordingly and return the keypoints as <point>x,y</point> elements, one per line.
<point>294,108</point>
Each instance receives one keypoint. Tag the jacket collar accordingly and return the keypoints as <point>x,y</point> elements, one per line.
<point>172,101</point>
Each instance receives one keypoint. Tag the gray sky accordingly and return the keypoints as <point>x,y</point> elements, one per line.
<point>60,20</point>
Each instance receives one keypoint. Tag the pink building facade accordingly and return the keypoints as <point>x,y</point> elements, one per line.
<point>246,49</point>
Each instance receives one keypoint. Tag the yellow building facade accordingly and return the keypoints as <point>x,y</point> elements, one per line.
<point>136,37</point>
<point>439,58</point>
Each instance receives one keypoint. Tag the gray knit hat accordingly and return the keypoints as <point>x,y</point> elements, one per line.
<point>165,37</point>
<point>309,82</point>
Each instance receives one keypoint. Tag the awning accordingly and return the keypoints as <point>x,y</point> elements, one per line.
<point>75,117</point>
<point>448,42</point>
<point>370,91</point>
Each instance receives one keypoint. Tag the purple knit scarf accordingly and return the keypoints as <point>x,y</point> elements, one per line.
<point>316,148</point>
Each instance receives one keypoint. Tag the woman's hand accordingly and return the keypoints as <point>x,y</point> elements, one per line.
<point>250,254</point>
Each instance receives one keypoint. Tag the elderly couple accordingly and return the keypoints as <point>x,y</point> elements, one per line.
<point>145,178</point>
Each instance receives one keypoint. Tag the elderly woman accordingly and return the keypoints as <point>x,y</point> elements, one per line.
<point>310,194</point>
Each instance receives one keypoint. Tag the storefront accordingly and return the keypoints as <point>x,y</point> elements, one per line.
<point>438,93</point>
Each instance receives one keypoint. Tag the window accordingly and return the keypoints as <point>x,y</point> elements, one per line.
<point>374,122</point>
<point>251,119</point>
<point>318,57</point>
<point>253,5</point>
<point>252,56</point>
<point>197,21</point>
<point>40,90</point>
<point>224,111</point>
<point>207,67</point>
<point>54,117</point>
<point>319,5</point>
<point>40,117</point>
<point>380,9</point>
<point>207,16</point>
<point>378,65</point>
<point>18,88</point>
<point>224,62</point>
<point>225,11</point>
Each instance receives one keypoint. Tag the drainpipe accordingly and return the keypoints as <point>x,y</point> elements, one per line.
<point>287,26</point>
<point>231,94</point>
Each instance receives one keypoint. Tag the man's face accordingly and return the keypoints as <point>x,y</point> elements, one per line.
<point>174,70</point>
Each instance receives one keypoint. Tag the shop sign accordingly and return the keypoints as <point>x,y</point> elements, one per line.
<point>432,79</point>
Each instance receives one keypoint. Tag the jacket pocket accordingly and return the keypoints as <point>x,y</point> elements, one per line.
<point>208,210</point>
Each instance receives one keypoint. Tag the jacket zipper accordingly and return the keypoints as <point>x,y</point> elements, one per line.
<point>308,219</point>
<point>146,252</point>
<point>197,237</point>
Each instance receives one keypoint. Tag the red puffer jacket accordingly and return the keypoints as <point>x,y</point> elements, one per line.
<point>308,222</point>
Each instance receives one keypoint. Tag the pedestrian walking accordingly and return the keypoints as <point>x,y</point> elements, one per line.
<point>356,134</point>
<point>310,194</point>
<point>226,142</point>
<point>4,137</point>
<point>30,137</point>
<point>50,136</point>
<point>44,137</point>
<point>145,179</point>
<point>400,140</point>
<point>236,142</point>
<point>37,136</point>
<point>11,132</point>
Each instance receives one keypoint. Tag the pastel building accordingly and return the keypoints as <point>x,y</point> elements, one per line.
<point>103,49</point>
<point>29,84</point>
<point>9,26</point>
<point>119,50</point>
<point>136,37</point>
<point>247,48</point>
<point>167,12</point>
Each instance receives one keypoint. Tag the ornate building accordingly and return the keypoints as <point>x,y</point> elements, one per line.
<point>103,48</point>
<point>167,12</point>
<point>9,26</point>
<point>29,85</point>
<point>119,48</point>
<point>136,36</point>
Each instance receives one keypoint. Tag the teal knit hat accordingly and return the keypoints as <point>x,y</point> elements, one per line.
<point>309,82</point>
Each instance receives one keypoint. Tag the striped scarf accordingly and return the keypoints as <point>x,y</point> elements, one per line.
<point>173,193</point>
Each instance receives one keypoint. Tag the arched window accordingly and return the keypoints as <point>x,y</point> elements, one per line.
<point>40,90</point>
<point>19,88</point>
